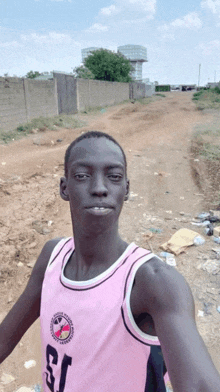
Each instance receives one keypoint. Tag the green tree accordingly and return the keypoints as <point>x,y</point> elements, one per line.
<point>83,72</point>
<point>107,65</point>
<point>32,74</point>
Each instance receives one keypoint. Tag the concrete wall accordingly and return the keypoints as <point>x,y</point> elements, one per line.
<point>21,99</point>
<point>12,102</point>
<point>140,90</point>
<point>149,90</point>
<point>41,98</point>
<point>95,93</point>
<point>24,99</point>
<point>66,93</point>
<point>137,90</point>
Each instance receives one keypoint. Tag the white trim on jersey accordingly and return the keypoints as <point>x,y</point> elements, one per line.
<point>98,278</point>
<point>142,334</point>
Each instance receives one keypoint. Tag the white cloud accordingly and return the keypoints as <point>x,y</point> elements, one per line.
<point>146,5</point>
<point>130,9</point>
<point>96,28</point>
<point>111,10</point>
<point>57,1</point>
<point>210,47</point>
<point>12,44</point>
<point>212,5</point>
<point>50,38</point>
<point>189,21</point>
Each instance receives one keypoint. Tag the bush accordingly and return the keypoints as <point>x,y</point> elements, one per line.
<point>217,90</point>
<point>162,87</point>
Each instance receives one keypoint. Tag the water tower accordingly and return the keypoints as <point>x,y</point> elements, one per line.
<point>137,55</point>
<point>87,51</point>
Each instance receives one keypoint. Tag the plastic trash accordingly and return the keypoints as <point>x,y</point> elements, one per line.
<point>198,240</point>
<point>203,224</point>
<point>216,239</point>
<point>203,215</point>
<point>37,388</point>
<point>30,364</point>
<point>171,261</point>
<point>218,309</point>
<point>209,230</point>
<point>166,254</point>
<point>214,219</point>
<point>155,231</point>
<point>7,378</point>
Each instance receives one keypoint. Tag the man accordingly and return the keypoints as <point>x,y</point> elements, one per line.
<point>106,306</point>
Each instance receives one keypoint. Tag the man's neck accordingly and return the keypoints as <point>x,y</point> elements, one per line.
<point>96,252</point>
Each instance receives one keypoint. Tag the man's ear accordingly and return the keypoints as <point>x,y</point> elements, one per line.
<point>127,191</point>
<point>63,189</point>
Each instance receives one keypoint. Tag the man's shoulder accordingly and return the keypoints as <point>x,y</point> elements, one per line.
<point>161,286</point>
<point>44,257</point>
<point>51,244</point>
<point>156,269</point>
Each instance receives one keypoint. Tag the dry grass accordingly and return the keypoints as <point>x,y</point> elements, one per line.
<point>41,124</point>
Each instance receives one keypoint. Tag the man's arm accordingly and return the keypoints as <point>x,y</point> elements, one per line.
<point>166,296</point>
<point>27,308</point>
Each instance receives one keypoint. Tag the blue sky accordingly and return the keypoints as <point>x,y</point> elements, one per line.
<point>46,35</point>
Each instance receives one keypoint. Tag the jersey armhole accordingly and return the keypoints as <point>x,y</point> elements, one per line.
<point>127,315</point>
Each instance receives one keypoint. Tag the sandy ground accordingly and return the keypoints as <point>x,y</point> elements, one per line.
<point>156,139</point>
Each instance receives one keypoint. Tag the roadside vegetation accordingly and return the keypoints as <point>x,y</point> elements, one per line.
<point>207,98</point>
<point>205,147</point>
<point>41,124</point>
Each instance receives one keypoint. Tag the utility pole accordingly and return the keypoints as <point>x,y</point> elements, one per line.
<point>199,75</point>
<point>214,76</point>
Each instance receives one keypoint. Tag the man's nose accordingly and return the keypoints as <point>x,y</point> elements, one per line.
<point>98,186</point>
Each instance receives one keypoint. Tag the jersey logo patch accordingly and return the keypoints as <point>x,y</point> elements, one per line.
<point>61,328</point>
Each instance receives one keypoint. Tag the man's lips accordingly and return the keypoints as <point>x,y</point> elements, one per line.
<point>99,207</point>
<point>101,210</point>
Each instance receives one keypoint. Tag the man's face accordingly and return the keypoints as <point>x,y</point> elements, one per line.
<point>96,185</point>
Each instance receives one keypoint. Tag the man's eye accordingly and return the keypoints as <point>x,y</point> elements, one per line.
<point>115,177</point>
<point>81,176</point>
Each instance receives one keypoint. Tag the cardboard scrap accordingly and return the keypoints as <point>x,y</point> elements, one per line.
<point>179,241</point>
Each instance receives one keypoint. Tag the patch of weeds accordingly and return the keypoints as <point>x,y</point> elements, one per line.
<point>95,110</point>
<point>41,124</point>
<point>197,95</point>
<point>210,151</point>
<point>205,149</point>
<point>9,136</point>
<point>217,90</point>
<point>22,128</point>
<point>160,95</point>
<point>153,98</point>
<point>207,98</point>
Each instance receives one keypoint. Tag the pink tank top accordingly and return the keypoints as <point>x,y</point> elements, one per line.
<point>90,341</point>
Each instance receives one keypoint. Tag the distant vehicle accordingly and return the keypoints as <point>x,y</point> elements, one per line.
<point>175,88</point>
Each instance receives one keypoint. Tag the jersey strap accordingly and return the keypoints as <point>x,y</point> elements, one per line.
<point>58,249</point>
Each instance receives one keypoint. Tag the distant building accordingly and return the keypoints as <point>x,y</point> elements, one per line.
<point>137,55</point>
<point>45,76</point>
<point>213,85</point>
<point>87,51</point>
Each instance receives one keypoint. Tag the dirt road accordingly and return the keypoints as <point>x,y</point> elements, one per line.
<point>156,139</point>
